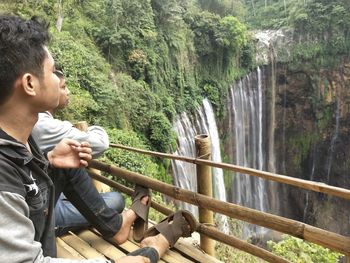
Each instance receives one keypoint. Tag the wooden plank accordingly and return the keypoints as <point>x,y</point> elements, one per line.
<point>101,245</point>
<point>128,246</point>
<point>65,251</point>
<point>81,246</point>
<point>185,247</point>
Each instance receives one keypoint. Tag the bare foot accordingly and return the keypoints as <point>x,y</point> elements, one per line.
<point>129,216</point>
<point>159,242</point>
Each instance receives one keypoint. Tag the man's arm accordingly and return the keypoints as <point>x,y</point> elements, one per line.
<point>17,234</point>
<point>49,131</point>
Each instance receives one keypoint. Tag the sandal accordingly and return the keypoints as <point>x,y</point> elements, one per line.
<point>141,210</point>
<point>183,224</point>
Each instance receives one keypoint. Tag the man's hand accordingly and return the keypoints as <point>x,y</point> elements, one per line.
<point>70,154</point>
<point>133,259</point>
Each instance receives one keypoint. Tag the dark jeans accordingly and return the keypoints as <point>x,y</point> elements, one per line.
<point>68,217</point>
<point>77,186</point>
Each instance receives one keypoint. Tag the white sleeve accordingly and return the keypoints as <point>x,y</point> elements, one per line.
<point>48,132</point>
<point>17,234</point>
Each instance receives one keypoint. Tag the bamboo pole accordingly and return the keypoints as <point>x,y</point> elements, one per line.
<point>301,183</point>
<point>239,244</point>
<point>204,186</point>
<point>331,240</point>
<point>100,187</point>
<point>202,229</point>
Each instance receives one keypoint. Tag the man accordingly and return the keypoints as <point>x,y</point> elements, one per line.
<point>28,85</point>
<point>47,132</point>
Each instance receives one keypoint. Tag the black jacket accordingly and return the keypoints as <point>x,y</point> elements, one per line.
<point>25,173</point>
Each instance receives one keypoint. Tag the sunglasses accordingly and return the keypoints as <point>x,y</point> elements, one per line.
<point>58,73</point>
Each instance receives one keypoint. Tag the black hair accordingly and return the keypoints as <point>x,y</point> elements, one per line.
<point>21,50</point>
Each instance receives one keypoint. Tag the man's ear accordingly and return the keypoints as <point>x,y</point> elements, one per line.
<point>28,82</point>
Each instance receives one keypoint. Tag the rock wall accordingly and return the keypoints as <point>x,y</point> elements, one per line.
<point>312,139</point>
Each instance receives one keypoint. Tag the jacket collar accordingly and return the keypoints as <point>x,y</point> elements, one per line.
<point>16,151</point>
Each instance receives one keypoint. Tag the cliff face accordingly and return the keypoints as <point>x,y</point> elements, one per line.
<point>312,139</point>
<point>293,120</point>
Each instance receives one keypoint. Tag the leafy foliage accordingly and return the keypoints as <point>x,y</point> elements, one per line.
<point>160,132</point>
<point>87,78</point>
<point>129,160</point>
<point>299,251</point>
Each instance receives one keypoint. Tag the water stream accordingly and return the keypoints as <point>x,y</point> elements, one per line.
<point>185,173</point>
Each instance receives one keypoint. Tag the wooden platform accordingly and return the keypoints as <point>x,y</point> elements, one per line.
<point>88,244</point>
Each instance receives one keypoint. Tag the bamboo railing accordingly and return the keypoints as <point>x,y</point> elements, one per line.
<point>305,184</point>
<point>307,232</point>
<point>203,229</point>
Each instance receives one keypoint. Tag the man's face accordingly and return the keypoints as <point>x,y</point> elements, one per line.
<point>49,85</point>
<point>64,94</point>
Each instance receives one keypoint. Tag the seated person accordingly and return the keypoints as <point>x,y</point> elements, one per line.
<point>47,132</point>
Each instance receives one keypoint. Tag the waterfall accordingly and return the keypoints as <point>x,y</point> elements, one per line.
<point>185,173</point>
<point>307,197</point>
<point>333,140</point>
<point>246,125</point>
<point>218,175</point>
<point>271,137</point>
<point>284,126</point>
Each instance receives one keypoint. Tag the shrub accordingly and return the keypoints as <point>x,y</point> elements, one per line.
<point>299,251</point>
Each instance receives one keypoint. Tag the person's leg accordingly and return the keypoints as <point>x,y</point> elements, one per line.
<point>77,186</point>
<point>68,218</point>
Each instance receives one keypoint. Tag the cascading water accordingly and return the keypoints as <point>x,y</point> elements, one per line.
<point>184,173</point>
<point>312,173</point>
<point>271,166</point>
<point>333,140</point>
<point>218,176</point>
<point>246,125</point>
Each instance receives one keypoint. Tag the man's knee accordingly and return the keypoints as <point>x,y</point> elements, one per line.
<point>114,200</point>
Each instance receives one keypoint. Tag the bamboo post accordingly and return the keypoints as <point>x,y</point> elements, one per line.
<point>204,186</point>
<point>101,187</point>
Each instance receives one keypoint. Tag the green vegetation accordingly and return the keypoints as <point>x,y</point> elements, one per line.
<point>134,64</point>
<point>299,251</point>
<point>321,27</point>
